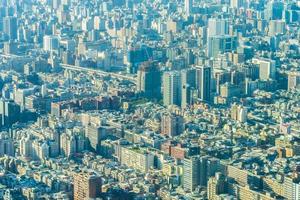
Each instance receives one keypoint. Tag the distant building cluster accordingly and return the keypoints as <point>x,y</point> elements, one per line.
<point>150,99</point>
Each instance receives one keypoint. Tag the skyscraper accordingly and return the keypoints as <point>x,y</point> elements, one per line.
<point>6,144</point>
<point>274,10</point>
<point>293,80</point>
<point>188,85</point>
<point>86,186</point>
<point>218,27</point>
<point>188,7</point>
<point>95,134</point>
<point>172,125</point>
<point>9,112</point>
<point>267,68</point>
<point>191,173</point>
<point>10,27</point>
<point>220,44</point>
<point>236,3</point>
<point>276,27</point>
<point>50,43</point>
<point>238,113</point>
<point>172,88</point>
<point>203,82</point>
<point>216,186</point>
<point>217,35</point>
<point>149,80</point>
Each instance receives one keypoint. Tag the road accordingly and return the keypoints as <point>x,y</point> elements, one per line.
<point>100,72</point>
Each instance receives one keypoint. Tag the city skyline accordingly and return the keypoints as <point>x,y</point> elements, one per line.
<point>149,99</point>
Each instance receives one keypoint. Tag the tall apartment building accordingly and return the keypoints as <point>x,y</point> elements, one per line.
<point>86,186</point>
<point>238,113</point>
<point>191,173</point>
<point>172,125</point>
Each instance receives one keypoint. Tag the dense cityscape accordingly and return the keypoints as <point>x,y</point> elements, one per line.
<point>149,99</point>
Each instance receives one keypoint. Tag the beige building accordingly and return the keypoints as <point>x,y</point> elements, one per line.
<point>86,186</point>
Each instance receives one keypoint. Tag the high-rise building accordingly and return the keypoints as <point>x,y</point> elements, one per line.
<point>25,147</point>
<point>217,32</point>
<point>10,27</point>
<point>188,7</point>
<point>236,3</point>
<point>137,158</point>
<point>6,144</point>
<point>67,144</point>
<point>238,113</point>
<point>217,27</point>
<point>188,86</point>
<point>220,44</point>
<point>172,125</point>
<point>149,80</point>
<point>203,82</point>
<point>95,134</point>
<point>267,68</point>
<point>86,186</point>
<point>50,43</point>
<point>9,112</point>
<point>191,173</point>
<point>172,88</point>
<point>293,80</point>
<point>216,185</point>
<point>276,27</point>
<point>274,10</point>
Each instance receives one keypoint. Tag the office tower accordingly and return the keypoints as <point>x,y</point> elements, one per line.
<point>188,7</point>
<point>6,144</point>
<point>9,111</point>
<point>86,186</point>
<point>203,82</point>
<point>50,43</point>
<point>238,113</point>
<point>217,27</point>
<point>220,44</point>
<point>137,158</point>
<point>293,80</point>
<point>274,10</point>
<point>149,80</point>
<point>191,173</point>
<point>172,88</point>
<point>267,68</point>
<point>236,3</point>
<point>216,185</point>
<point>188,86</point>
<point>172,125</point>
<point>10,27</point>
